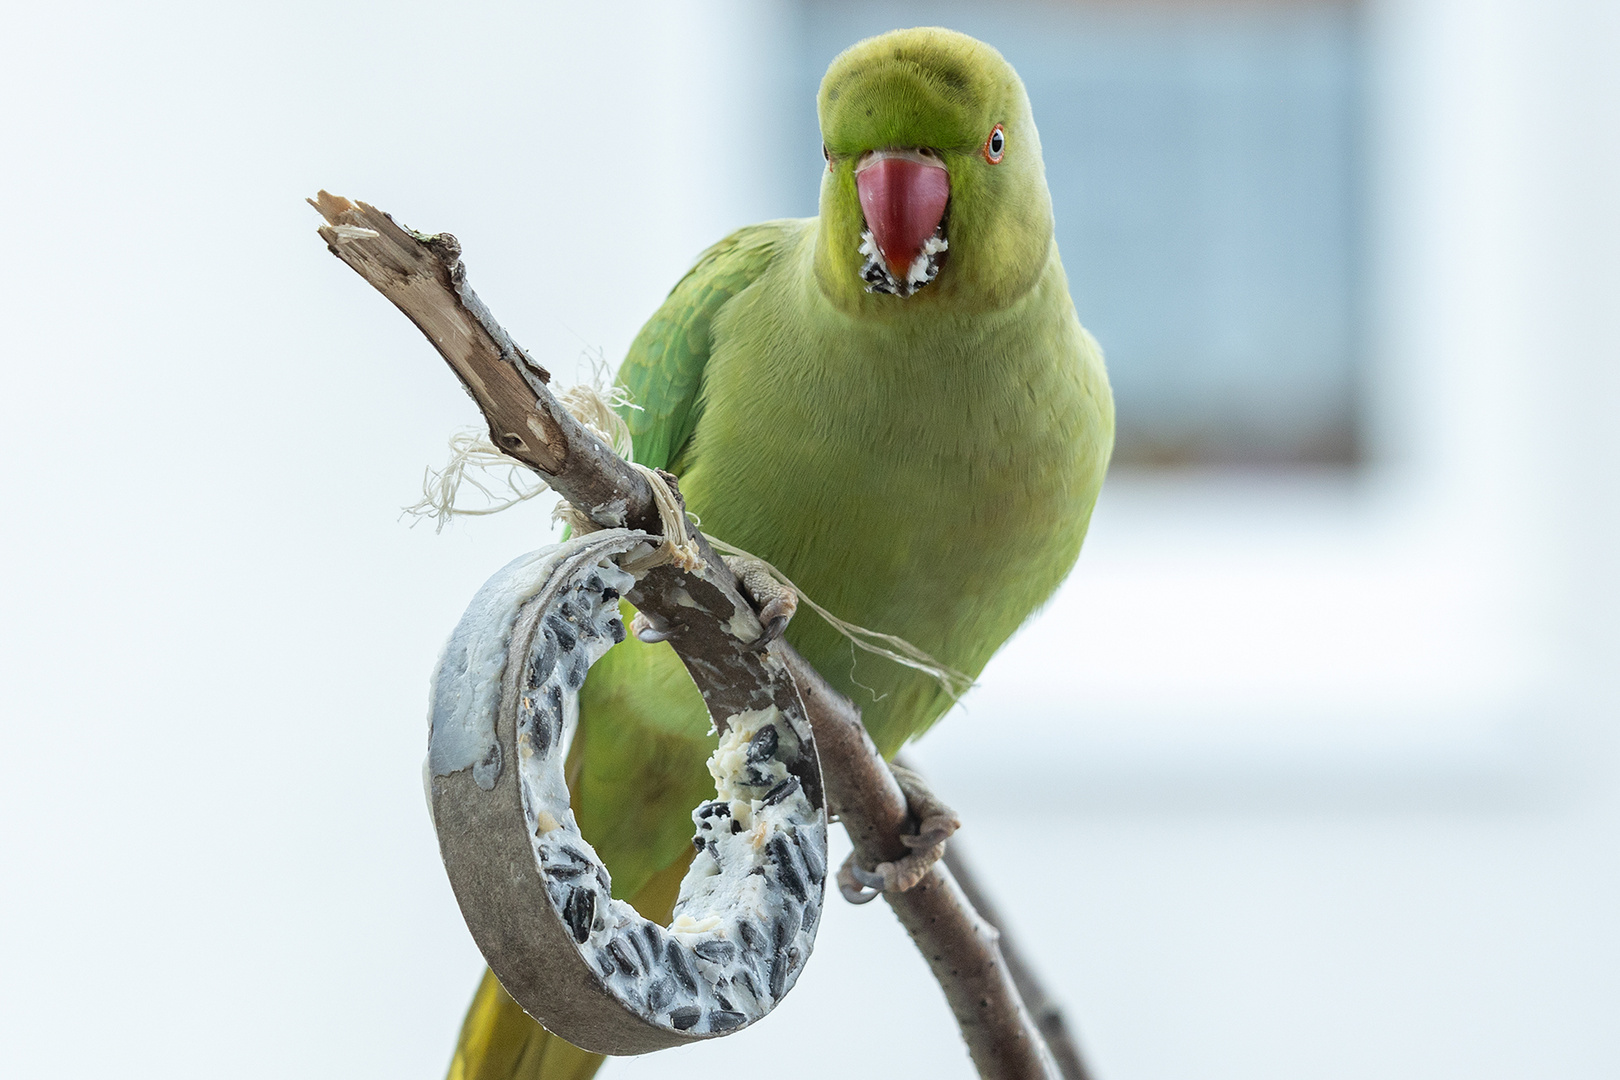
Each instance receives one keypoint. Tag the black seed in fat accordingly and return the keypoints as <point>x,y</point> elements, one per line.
<point>579,912</point>
<point>680,966</point>
<point>553,704</point>
<point>812,912</point>
<point>781,934</point>
<point>565,870</point>
<point>725,1020</point>
<point>558,628</point>
<point>763,744</point>
<point>710,809</point>
<point>748,983</point>
<point>787,867</point>
<point>697,842</point>
<point>609,595</point>
<point>542,658</point>
<point>779,973</point>
<point>616,630</point>
<point>621,956</point>
<point>725,1003</point>
<point>736,826</point>
<point>540,736</point>
<point>641,952</point>
<point>684,1017</point>
<point>578,665</point>
<point>815,863</point>
<point>753,941</point>
<point>606,966</point>
<point>649,932</point>
<point>781,791</point>
<point>716,949</point>
<point>659,994</point>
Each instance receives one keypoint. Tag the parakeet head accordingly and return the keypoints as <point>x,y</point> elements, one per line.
<point>934,190</point>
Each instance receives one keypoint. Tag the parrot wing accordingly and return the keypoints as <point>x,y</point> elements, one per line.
<point>663,372</point>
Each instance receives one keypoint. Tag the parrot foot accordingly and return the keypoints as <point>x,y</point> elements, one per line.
<point>774,602</point>
<point>935,824</point>
<point>935,820</point>
<point>860,886</point>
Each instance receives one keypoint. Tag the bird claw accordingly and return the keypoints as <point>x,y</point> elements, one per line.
<point>934,830</point>
<point>936,823</point>
<point>773,602</point>
<point>859,885</point>
<point>856,885</point>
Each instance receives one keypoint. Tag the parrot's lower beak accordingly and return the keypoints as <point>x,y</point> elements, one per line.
<point>903,195</point>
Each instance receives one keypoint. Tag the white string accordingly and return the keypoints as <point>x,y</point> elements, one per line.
<point>478,463</point>
<point>898,649</point>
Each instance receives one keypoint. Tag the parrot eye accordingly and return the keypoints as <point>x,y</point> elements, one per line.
<point>995,145</point>
<point>826,156</point>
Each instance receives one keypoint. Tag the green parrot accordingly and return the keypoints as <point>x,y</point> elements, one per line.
<point>894,402</point>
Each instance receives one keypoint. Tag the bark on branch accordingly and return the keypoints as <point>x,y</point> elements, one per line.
<point>1049,1018</point>
<point>423,276</point>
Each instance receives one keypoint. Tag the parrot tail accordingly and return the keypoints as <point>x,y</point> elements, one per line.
<point>499,1041</point>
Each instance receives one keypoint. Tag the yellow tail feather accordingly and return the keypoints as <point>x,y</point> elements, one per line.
<point>499,1041</point>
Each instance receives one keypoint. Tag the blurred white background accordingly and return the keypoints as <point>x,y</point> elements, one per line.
<point>1305,774</point>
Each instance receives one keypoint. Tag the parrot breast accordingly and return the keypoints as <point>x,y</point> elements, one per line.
<point>930,476</point>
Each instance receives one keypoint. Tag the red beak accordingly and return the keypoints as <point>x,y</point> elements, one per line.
<point>904,201</point>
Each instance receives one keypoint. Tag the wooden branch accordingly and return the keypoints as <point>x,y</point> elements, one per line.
<point>961,948</point>
<point>424,278</point>
<point>1049,1018</point>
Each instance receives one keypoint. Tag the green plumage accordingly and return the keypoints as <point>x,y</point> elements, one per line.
<point>923,466</point>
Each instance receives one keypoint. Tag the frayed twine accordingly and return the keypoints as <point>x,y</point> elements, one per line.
<point>898,649</point>
<point>478,463</point>
<point>506,482</point>
<point>678,545</point>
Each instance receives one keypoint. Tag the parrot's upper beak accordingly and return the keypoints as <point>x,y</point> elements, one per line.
<point>903,195</point>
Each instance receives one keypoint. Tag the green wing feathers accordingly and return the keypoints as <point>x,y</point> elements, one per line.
<point>663,372</point>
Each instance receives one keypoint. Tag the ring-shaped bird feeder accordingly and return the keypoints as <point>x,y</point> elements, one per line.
<point>536,896</point>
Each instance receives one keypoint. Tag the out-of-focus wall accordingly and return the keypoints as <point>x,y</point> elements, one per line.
<point>1296,779</point>
<point>215,629</point>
